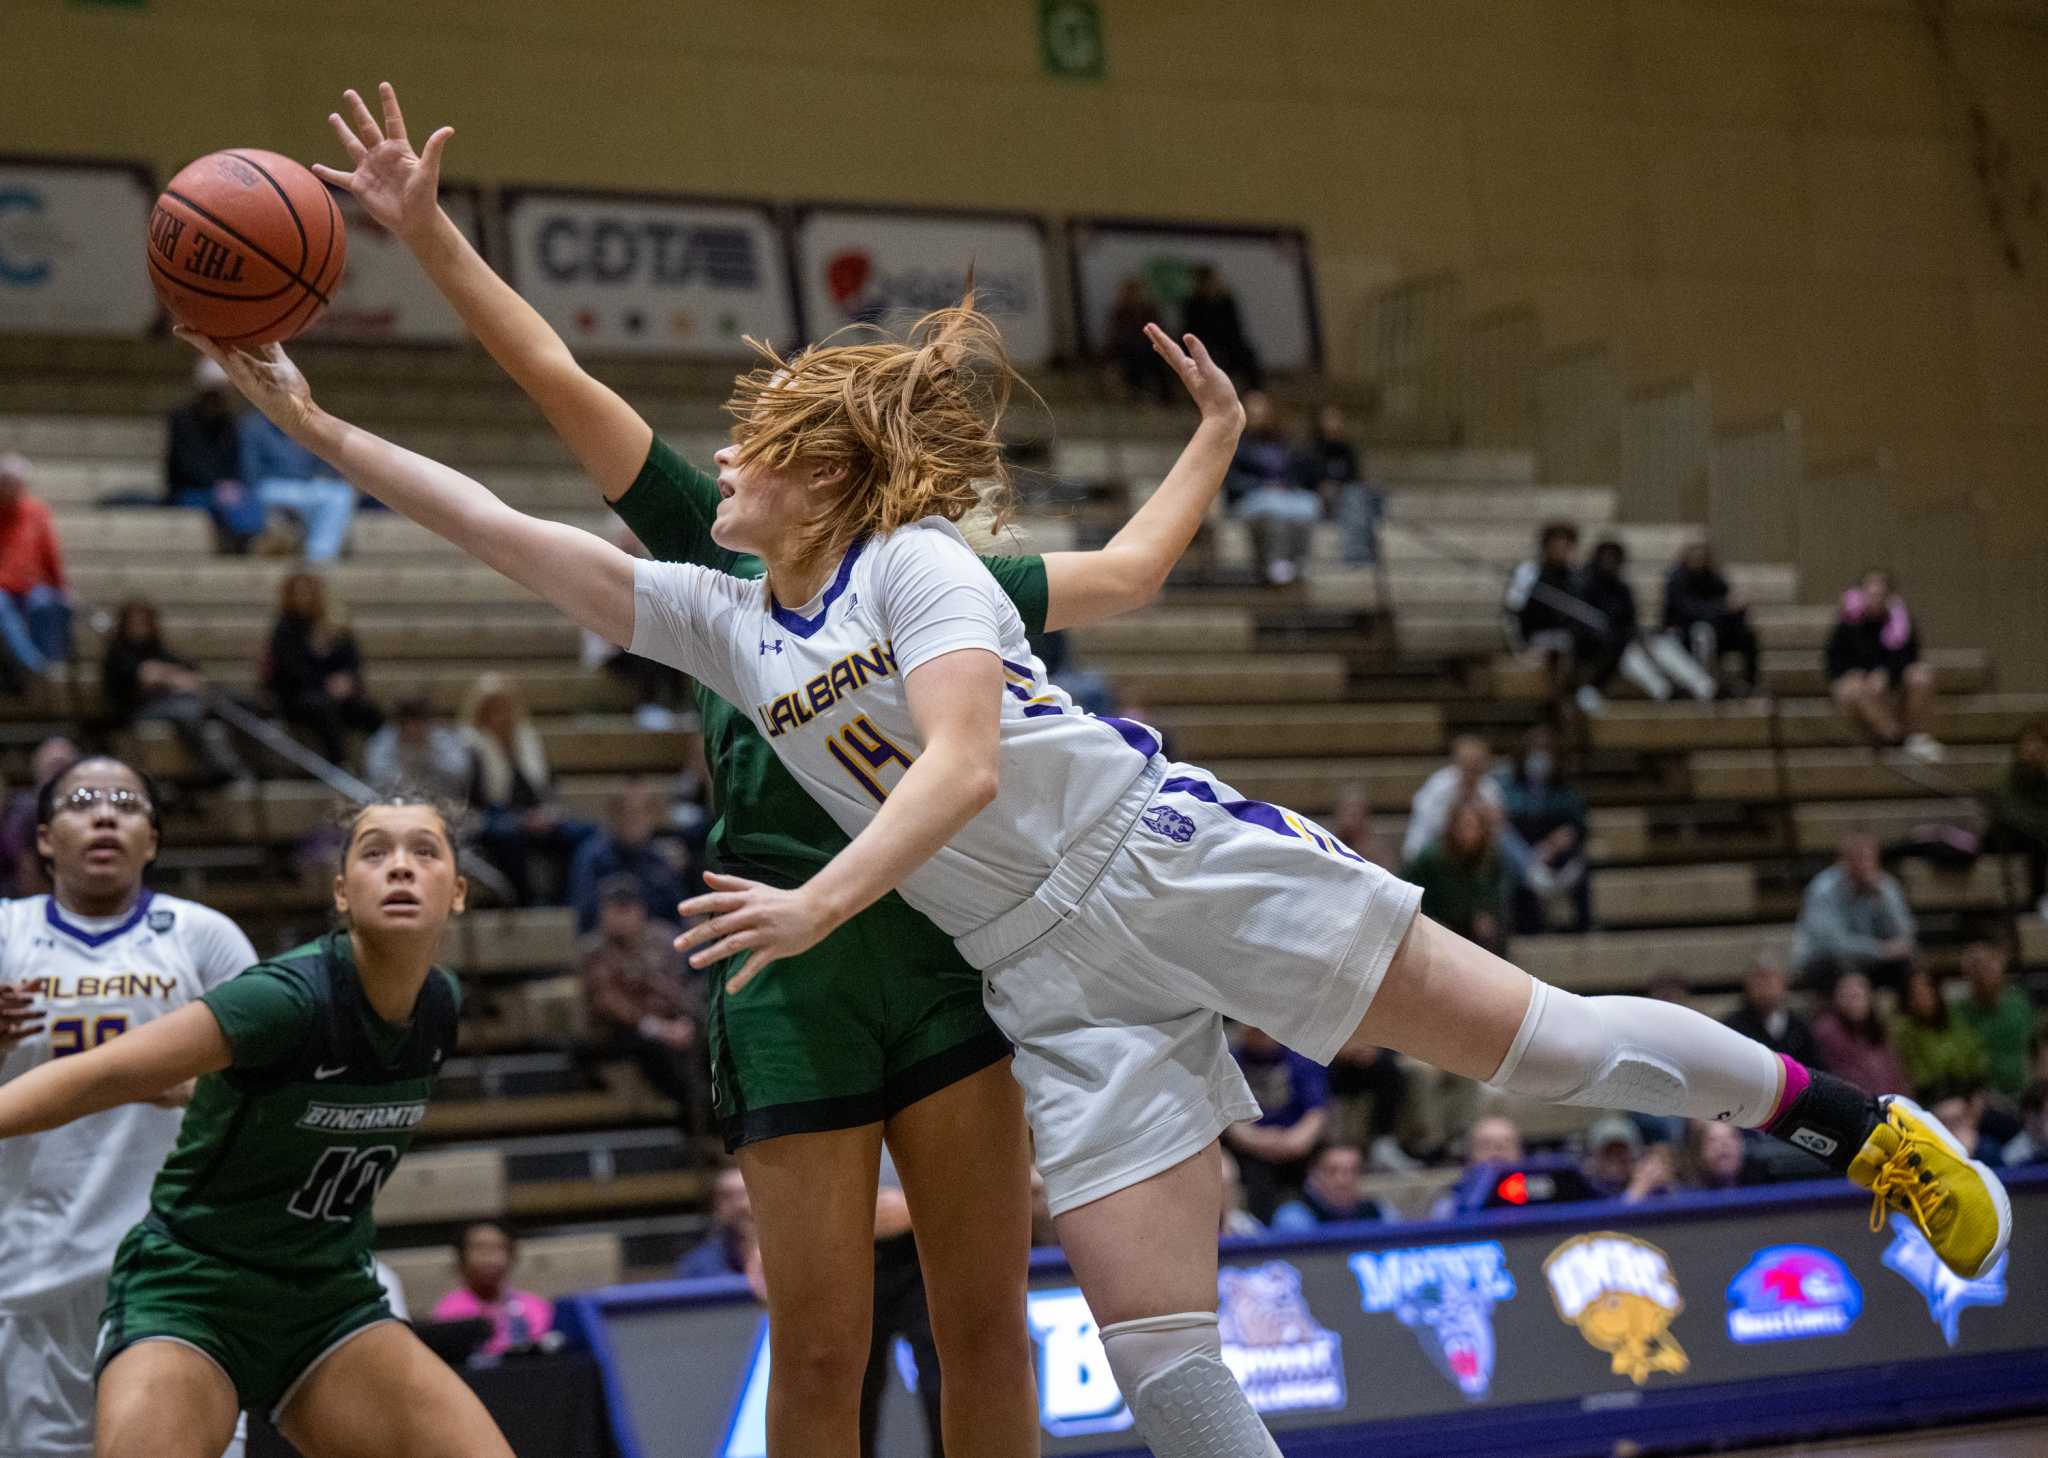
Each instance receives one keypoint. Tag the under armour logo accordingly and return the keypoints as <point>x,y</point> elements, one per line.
<point>768,647</point>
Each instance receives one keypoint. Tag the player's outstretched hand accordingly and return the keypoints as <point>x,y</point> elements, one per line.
<point>398,187</point>
<point>745,916</point>
<point>19,1016</point>
<point>266,376</point>
<point>1214,395</point>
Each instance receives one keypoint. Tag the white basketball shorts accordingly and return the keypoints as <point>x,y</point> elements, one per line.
<point>46,1356</point>
<point>1184,906</point>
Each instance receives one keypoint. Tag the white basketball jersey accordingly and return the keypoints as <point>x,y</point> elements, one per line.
<point>825,685</point>
<point>67,1196</point>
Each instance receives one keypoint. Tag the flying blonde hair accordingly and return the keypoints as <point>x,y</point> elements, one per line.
<point>912,424</point>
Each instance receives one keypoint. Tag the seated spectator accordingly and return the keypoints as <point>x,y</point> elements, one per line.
<point>1333,1193</point>
<point>1874,669</point>
<point>414,752</point>
<point>1854,918</point>
<point>2019,811</point>
<point>1543,837</point>
<point>1264,490</point>
<point>1352,824</point>
<point>1235,1222</point>
<point>1464,884</point>
<point>723,1251</point>
<point>1649,661</point>
<point>1144,373</point>
<point>289,478</point>
<point>1210,314</point>
<point>1959,1105</point>
<point>511,788</point>
<point>2030,1145</point>
<point>1294,1096</point>
<point>315,671</point>
<point>143,680</point>
<point>203,459</point>
<point>1710,619</point>
<point>2000,1014</point>
<point>1541,608</point>
<point>1714,1156</point>
<point>485,1252</point>
<point>1493,1146</point>
<point>1935,1048</point>
<point>21,865</point>
<point>1466,777</point>
<point>1766,1015</point>
<point>1853,1041</point>
<point>35,604</point>
<point>644,1001</point>
<point>1368,1094</point>
<point>1613,1148</point>
<point>626,847</point>
<point>1328,465</point>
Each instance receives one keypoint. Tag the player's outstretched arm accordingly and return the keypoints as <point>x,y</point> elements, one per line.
<point>954,701</point>
<point>580,573</point>
<point>137,1066</point>
<point>1127,573</point>
<point>399,189</point>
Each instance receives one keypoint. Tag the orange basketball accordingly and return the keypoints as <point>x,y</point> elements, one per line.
<point>246,247</point>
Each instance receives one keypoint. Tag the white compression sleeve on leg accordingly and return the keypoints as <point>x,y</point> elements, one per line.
<point>1185,1402</point>
<point>1638,1054</point>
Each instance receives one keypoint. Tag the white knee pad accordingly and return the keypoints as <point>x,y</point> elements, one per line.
<point>1184,1400</point>
<point>1639,1054</point>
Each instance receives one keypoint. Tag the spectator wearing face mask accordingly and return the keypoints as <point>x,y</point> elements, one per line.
<point>1543,837</point>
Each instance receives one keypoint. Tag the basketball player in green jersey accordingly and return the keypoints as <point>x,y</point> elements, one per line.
<point>880,1030</point>
<point>249,1284</point>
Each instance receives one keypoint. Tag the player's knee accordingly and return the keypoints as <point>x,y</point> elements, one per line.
<point>1583,1051</point>
<point>1184,1400</point>
<point>988,1348</point>
<point>820,1362</point>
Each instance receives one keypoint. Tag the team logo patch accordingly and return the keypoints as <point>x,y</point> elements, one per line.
<point>1787,1292</point>
<point>1948,1294</point>
<point>1169,822</point>
<point>161,921</point>
<point>1621,1295</point>
<point>1445,1294</point>
<point>1282,1359</point>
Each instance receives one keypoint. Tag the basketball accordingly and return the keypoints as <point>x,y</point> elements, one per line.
<point>246,247</point>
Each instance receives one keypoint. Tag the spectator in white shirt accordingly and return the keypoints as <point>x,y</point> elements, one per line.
<point>1465,776</point>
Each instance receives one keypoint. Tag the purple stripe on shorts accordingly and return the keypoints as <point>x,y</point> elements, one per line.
<point>1255,812</point>
<point>1134,734</point>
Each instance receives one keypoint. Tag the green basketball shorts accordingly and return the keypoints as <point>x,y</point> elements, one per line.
<point>880,1014</point>
<point>266,1330</point>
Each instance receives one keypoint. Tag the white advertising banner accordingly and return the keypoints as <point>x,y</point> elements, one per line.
<point>71,248</point>
<point>650,275</point>
<point>888,267</point>
<point>385,296</point>
<point>1266,270</point>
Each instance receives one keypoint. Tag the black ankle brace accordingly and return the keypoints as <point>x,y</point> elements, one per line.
<point>1830,1120</point>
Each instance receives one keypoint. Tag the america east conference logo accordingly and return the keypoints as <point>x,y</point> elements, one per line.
<point>1445,1294</point>
<point>1791,1291</point>
<point>1280,1356</point>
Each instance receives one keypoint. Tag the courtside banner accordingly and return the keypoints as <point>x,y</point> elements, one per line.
<point>71,247</point>
<point>888,266</point>
<point>1266,268</point>
<point>385,296</point>
<point>647,274</point>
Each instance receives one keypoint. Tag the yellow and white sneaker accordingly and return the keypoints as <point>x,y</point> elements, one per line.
<point>1912,1164</point>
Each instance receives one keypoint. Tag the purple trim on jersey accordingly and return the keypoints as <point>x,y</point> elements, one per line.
<point>98,939</point>
<point>1020,670</point>
<point>1022,693</point>
<point>1134,734</point>
<point>1039,711</point>
<point>805,627</point>
<point>1253,812</point>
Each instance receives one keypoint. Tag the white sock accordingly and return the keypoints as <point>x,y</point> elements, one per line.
<point>1639,1054</point>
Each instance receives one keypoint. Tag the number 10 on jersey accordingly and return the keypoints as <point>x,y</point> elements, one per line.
<point>864,751</point>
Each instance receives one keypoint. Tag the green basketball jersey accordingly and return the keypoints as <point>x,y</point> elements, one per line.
<point>282,1154</point>
<point>768,828</point>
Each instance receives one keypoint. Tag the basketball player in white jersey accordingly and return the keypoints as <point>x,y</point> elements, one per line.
<point>99,956</point>
<point>1119,906</point>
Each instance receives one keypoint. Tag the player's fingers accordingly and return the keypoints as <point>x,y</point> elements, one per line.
<point>336,179</point>
<point>754,968</point>
<point>711,903</point>
<point>725,947</point>
<point>349,140</point>
<point>1164,347</point>
<point>201,343</point>
<point>430,155</point>
<point>727,883</point>
<point>366,125</point>
<point>1199,352</point>
<point>394,119</point>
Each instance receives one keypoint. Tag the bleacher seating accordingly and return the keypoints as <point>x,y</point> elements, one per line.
<point>1707,819</point>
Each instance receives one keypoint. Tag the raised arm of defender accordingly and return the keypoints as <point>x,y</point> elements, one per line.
<point>133,1068</point>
